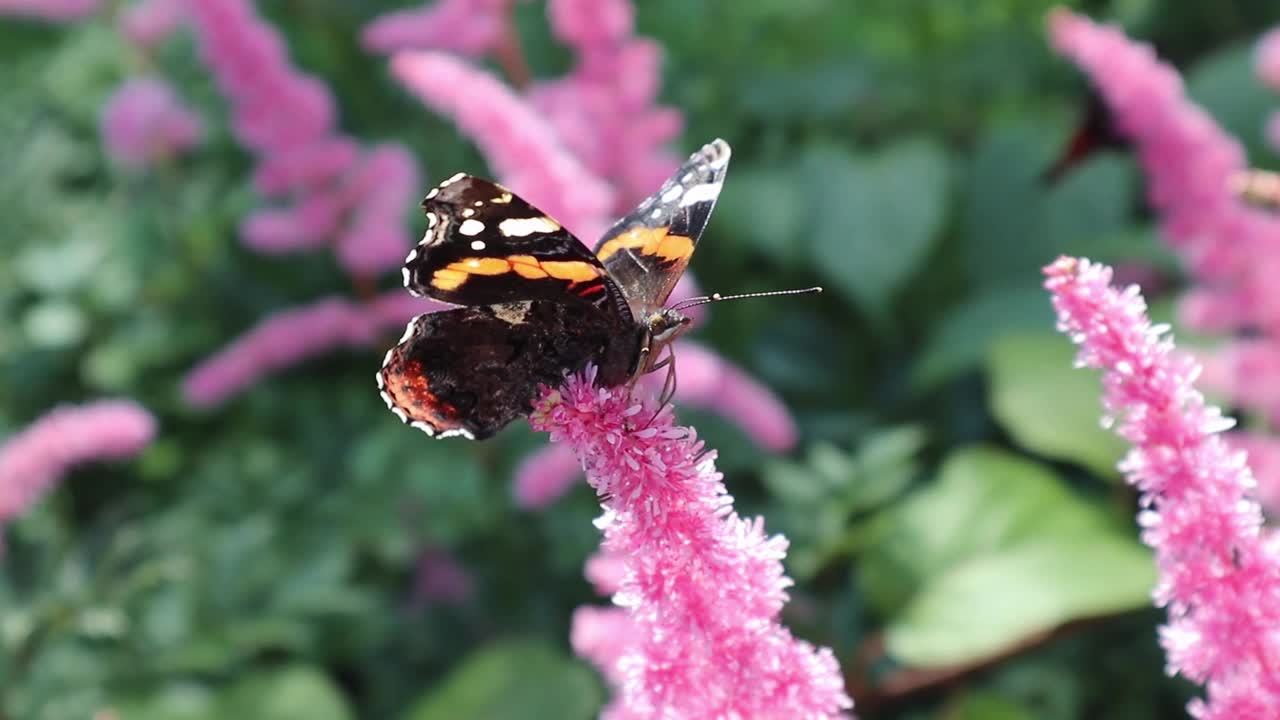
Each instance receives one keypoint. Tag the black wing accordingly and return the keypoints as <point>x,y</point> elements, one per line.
<point>485,245</point>
<point>473,370</point>
<point>647,251</point>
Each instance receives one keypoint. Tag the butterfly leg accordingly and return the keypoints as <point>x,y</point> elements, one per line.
<point>668,383</point>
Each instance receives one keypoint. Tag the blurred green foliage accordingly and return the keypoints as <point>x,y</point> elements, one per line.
<point>953,504</point>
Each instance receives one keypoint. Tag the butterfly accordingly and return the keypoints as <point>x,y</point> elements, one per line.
<point>535,302</point>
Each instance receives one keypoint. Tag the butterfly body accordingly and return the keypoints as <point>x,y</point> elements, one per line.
<point>536,302</point>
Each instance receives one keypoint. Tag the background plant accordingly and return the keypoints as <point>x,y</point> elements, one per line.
<point>959,534</point>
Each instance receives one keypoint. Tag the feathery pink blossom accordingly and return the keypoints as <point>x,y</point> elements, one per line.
<point>702,586</point>
<point>466,27</point>
<point>52,10</point>
<point>521,147</point>
<point>707,381</point>
<point>147,23</point>
<point>1219,579</point>
<point>34,459</point>
<point>144,122</point>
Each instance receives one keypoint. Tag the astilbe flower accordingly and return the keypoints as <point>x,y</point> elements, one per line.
<point>1219,578</point>
<point>144,122</point>
<point>606,107</point>
<point>146,23</point>
<point>34,459</point>
<point>288,337</point>
<point>702,588</point>
<point>52,10</point>
<point>1192,168</point>
<point>521,147</point>
<point>466,27</point>
<point>342,195</point>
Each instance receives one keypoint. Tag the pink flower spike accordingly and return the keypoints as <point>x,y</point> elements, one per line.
<point>1266,59</point>
<point>282,340</point>
<point>34,459</point>
<point>148,22</point>
<point>545,475</point>
<point>1219,579</point>
<point>466,27</point>
<point>51,10</point>
<point>521,147</point>
<point>703,586</point>
<point>144,122</point>
<point>1264,460</point>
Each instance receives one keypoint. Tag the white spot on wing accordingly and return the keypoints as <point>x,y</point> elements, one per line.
<point>432,219</point>
<point>471,227</point>
<point>701,193</point>
<point>408,333</point>
<point>477,244</point>
<point>520,227</point>
<point>404,273</point>
<point>378,376</point>
<point>671,193</point>
<point>458,432</point>
<point>468,212</point>
<point>452,180</point>
<point>413,255</point>
<point>657,213</point>
<point>424,427</point>
<point>434,192</point>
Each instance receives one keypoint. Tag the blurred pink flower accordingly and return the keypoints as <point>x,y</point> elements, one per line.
<point>148,22</point>
<point>34,459</point>
<point>1266,59</point>
<point>1218,578</point>
<point>290,120</point>
<point>439,577</point>
<point>521,147</point>
<point>1264,460</point>
<point>466,27</point>
<point>545,475</point>
<point>605,107</point>
<point>292,336</point>
<point>144,122</point>
<point>703,587</point>
<point>52,10</point>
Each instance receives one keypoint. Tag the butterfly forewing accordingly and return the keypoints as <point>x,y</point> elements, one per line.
<point>647,251</point>
<point>485,245</point>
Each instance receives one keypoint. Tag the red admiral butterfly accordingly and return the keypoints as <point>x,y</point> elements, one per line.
<point>539,303</point>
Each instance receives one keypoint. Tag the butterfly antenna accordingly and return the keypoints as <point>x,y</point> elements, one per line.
<point>717,297</point>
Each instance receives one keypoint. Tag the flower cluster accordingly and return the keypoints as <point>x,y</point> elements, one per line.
<point>33,460</point>
<point>144,122</point>
<point>466,27</point>
<point>342,195</point>
<point>701,587</point>
<point>1219,575</point>
<point>1193,169</point>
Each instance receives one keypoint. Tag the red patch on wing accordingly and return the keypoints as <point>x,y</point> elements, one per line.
<point>408,394</point>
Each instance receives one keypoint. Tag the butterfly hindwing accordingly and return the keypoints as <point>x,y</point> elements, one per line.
<point>647,251</point>
<point>472,370</point>
<point>485,245</point>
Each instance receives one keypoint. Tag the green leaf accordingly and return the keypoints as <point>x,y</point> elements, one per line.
<point>986,705</point>
<point>515,680</point>
<point>295,693</point>
<point>879,216</point>
<point>1048,405</point>
<point>983,499</point>
<point>995,550</point>
<point>765,208</point>
<point>964,334</point>
<point>1016,222</point>
<point>990,602</point>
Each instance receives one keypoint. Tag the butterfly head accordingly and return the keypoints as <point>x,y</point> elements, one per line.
<point>666,325</point>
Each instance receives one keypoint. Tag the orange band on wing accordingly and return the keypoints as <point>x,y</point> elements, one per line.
<point>650,241</point>
<point>453,275</point>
